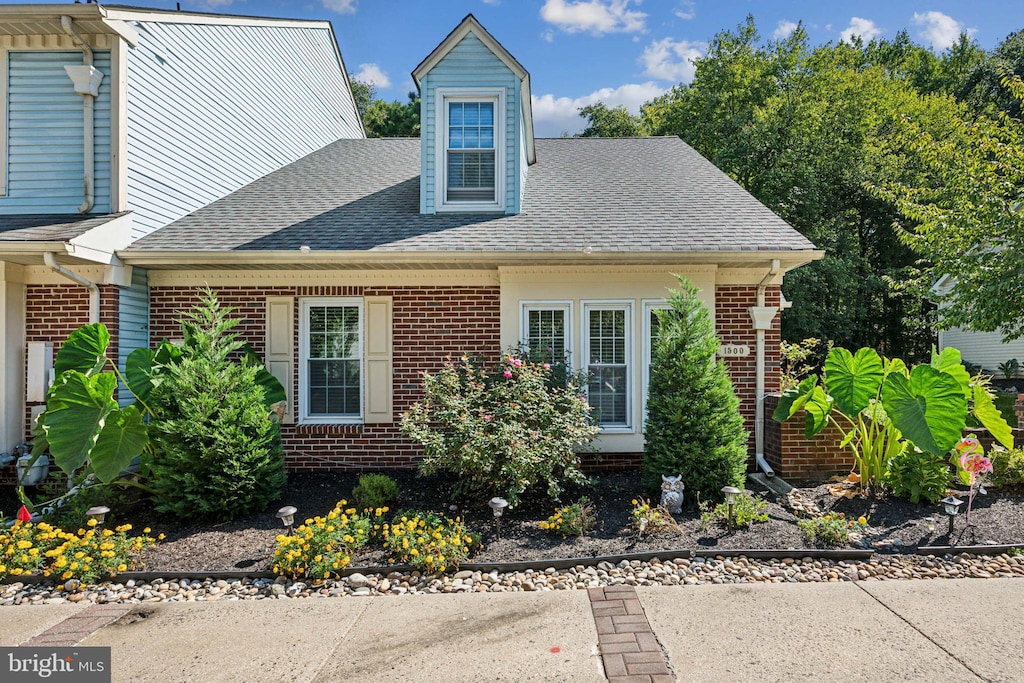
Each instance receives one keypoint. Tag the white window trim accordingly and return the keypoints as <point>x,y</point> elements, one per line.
<point>649,305</point>
<point>612,305</point>
<point>305,303</point>
<point>442,97</point>
<point>546,305</point>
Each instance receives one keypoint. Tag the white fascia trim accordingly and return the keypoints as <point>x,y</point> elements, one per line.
<point>174,17</point>
<point>468,25</point>
<point>443,96</point>
<point>129,34</point>
<point>304,305</point>
<point>527,305</point>
<point>100,243</point>
<point>588,305</point>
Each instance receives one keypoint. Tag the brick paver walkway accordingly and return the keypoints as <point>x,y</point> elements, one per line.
<point>78,627</point>
<point>630,652</point>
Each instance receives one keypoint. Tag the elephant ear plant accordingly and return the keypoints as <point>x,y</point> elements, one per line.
<point>89,436</point>
<point>881,407</point>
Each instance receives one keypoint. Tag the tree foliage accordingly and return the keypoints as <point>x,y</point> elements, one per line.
<point>694,427</point>
<point>383,119</point>
<point>609,122</point>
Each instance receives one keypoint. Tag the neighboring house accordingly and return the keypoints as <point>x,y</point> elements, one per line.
<point>115,121</point>
<point>369,261</point>
<point>986,349</point>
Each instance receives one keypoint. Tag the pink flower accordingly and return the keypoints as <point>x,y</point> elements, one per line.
<point>507,374</point>
<point>487,417</point>
<point>516,362</point>
<point>547,366</point>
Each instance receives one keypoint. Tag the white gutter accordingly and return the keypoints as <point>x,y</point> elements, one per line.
<point>762,316</point>
<point>94,291</point>
<point>86,79</point>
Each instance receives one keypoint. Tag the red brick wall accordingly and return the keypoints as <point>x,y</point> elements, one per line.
<point>735,326</point>
<point>429,323</point>
<point>52,312</point>
<point>793,456</point>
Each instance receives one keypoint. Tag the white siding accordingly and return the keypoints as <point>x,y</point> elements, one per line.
<point>45,136</point>
<point>212,108</point>
<point>982,348</point>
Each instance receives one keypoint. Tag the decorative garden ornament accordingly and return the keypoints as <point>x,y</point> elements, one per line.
<point>672,493</point>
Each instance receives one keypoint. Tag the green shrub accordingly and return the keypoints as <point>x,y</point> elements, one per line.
<point>572,520</point>
<point>830,530</point>
<point>745,511</point>
<point>503,429</point>
<point>1007,468</point>
<point>915,475</point>
<point>694,427</point>
<point>375,490</point>
<point>217,451</point>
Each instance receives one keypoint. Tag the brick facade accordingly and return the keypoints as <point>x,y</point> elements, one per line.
<point>428,323</point>
<point>795,457</point>
<point>52,312</point>
<point>734,326</point>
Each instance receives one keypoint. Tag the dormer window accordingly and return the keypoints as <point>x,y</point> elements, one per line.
<point>471,174</point>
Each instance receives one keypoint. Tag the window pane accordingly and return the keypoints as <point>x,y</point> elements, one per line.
<point>546,333</point>
<point>455,117</point>
<point>472,113</point>
<point>487,138</point>
<point>334,361</point>
<point>487,113</point>
<point>608,390</point>
<point>607,393</point>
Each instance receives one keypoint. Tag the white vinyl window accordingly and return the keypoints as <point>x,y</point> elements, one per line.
<point>470,160</point>
<point>331,360</point>
<point>650,339</point>
<point>547,330</point>
<point>607,336</point>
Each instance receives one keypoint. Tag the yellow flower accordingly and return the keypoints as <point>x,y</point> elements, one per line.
<point>862,520</point>
<point>91,522</point>
<point>122,567</point>
<point>146,530</point>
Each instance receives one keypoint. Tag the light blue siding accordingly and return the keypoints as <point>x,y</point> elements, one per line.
<point>133,322</point>
<point>45,137</point>
<point>470,64</point>
<point>213,108</point>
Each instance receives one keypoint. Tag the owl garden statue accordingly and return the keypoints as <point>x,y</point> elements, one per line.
<point>672,494</point>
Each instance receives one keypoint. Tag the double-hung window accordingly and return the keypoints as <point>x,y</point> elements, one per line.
<point>546,330</point>
<point>607,330</point>
<point>652,328</point>
<point>331,360</point>
<point>469,149</point>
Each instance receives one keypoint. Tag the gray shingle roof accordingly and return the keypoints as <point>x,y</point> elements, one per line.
<point>609,194</point>
<point>49,227</point>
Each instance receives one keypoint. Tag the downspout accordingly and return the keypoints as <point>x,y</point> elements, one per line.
<point>86,79</point>
<point>762,316</point>
<point>94,290</point>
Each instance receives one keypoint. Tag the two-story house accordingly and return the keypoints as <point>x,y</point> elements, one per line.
<point>367,262</point>
<point>115,121</point>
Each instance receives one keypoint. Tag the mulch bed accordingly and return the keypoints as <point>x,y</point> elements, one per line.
<point>247,543</point>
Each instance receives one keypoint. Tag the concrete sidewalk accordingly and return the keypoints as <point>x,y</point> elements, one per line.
<point>958,630</point>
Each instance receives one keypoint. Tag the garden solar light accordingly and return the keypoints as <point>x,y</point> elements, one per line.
<point>730,499</point>
<point>287,517</point>
<point>498,505</point>
<point>952,507</point>
<point>98,512</point>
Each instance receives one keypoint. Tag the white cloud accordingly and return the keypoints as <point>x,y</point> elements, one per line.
<point>687,9</point>
<point>865,28</point>
<point>340,6</point>
<point>784,29</point>
<point>492,2</point>
<point>548,36</point>
<point>374,75</point>
<point>669,60</point>
<point>593,16</point>
<point>941,30</point>
<point>553,116</point>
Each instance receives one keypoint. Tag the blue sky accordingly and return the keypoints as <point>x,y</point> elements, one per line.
<point>618,51</point>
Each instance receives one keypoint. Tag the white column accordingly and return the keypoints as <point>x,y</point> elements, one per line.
<point>12,357</point>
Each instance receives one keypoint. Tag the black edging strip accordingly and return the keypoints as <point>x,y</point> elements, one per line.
<point>972,549</point>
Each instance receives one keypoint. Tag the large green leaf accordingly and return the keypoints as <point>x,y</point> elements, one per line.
<point>928,408</point>
<point>138,368</point>
<point>793,399</point>
<point>123,437</point>
<point>85,350</point>
<point>990,417</point>
<point>273,391</point>
<point>852,380</point>
<point>75,410</point>
<point>949,361</point>
<point>817,407</point>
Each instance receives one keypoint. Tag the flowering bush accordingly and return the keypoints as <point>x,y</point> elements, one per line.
<point>323,546</point>
<point>428,542</point>
<point>831,529</point>
<point>571,520</point>
<point>87,555</point>
<point>503,429</point>
<point>646,517</point>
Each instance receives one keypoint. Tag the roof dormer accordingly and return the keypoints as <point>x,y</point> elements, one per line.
<point>476,125</point>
